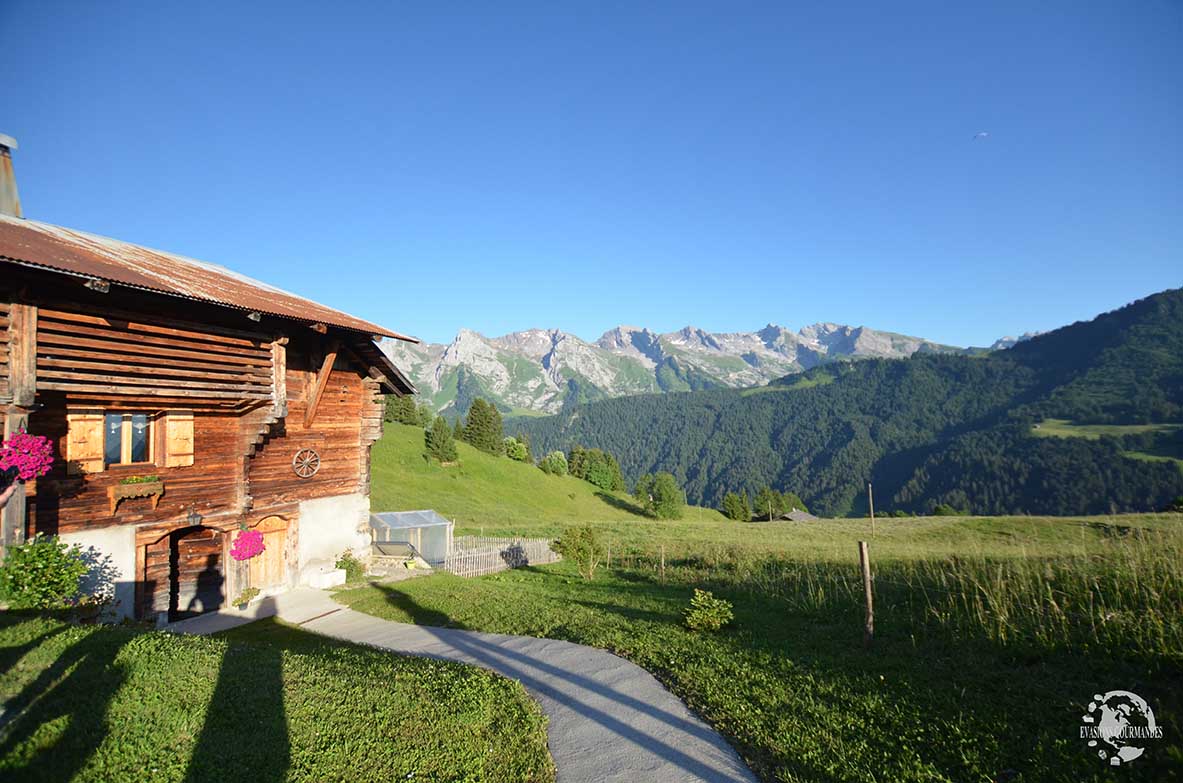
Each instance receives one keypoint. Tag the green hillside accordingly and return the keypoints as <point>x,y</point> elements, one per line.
<point>491,493</point>
<point>927,430</point>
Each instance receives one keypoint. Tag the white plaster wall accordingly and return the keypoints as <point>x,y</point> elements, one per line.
<point>330,526</point>
<point>111,554</point>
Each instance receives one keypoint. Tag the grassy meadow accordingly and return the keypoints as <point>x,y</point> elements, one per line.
<point>992,634</point>
<point>265,702</point>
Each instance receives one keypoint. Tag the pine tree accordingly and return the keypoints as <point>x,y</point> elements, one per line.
<point>439,442</point>
<point>401,408</point>
<point>483,427</point>
<point>458,430</point>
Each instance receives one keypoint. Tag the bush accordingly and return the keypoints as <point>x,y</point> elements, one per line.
<point>661,496</point>
<point>945,510</point>
<point>554,463</point>
<point>42,573</point>
<point>516,450</point>
<point>597,467</point>
<point>707,613</point>
<point>581,545</point>
<point>355,570</point>
<point>736,506</point>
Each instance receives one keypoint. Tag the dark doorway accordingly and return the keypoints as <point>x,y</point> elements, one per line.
<point>196,581</point>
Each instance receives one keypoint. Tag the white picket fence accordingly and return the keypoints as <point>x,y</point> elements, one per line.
<point>479,555</point>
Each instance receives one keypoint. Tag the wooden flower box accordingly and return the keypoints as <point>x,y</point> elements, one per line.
<point>118,492</point>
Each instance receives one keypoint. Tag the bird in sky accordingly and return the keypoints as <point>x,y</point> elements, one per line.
<point>981,135</point>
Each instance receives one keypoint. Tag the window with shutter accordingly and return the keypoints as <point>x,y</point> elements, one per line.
<point>84,442</point>
<point>178,439</point>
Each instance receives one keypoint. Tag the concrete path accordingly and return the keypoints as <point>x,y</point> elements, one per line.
<point>610,720</point>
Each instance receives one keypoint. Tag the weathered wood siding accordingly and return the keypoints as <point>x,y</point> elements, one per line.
<point>84,351</point>
<point>341,432</point>
<point>5,321</point>
<point>66,503</point>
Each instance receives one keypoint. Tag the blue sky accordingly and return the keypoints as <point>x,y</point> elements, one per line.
<point>502,166</point>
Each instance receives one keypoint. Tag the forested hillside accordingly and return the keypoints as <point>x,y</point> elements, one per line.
<point>926,430</point>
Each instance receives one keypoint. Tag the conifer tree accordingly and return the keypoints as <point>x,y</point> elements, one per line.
<point>439,442</point>
<point>483,427</point>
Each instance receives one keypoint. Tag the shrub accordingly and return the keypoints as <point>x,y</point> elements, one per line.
<point>354,568</point>
<point>945,510</point>
<point>707,613</point>
<point>516,450</point>
<point>661,496</point>
<point>42,573</point>
<point>735,506</point>
<point>581,545</point>
<point>554,463</point>
<point>596,467</point>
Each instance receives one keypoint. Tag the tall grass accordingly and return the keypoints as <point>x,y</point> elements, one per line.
<point>1124,597</point>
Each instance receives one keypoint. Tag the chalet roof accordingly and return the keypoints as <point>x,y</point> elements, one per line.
<point>46,246</point>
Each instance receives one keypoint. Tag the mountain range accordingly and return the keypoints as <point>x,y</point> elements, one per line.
<point>1085,419</point>
<point>548,370</point>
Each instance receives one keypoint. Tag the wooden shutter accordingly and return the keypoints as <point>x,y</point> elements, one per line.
<point>178,440</point>
<point>84,442</point>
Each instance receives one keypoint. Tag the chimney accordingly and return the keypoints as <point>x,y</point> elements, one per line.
<point>10,202</point>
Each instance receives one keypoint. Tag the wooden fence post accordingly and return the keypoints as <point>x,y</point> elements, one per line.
<point>864,557</point>
<point>871,503</point>
<point>663,563</point>
<point>609,565</point>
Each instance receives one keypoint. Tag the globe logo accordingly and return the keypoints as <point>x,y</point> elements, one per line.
<point>1118,723</point>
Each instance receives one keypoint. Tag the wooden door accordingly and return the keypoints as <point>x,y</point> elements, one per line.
<point>196,580</point>
<point>270,569</point>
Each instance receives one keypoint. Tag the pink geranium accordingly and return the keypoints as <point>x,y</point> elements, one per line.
<point>32,455</point>
<point>248,544</point>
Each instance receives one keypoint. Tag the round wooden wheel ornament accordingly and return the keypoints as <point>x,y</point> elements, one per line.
<point>306,463</point>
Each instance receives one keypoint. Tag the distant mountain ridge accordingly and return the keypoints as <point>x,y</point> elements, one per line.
<point>932,429</point>
<point>548,370</point>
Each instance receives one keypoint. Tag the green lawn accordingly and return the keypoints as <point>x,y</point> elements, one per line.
<point>265,703</point>
<point>1062,428</point>
<point>992,633</point>
<point>484,491</point>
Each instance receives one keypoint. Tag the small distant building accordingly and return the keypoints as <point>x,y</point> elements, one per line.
<point>797,515</point>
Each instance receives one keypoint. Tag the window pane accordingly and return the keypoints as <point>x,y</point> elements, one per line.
<point>139,437</point>
<point>112,438</point>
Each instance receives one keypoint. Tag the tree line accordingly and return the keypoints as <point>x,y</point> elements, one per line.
<point>931,432</point>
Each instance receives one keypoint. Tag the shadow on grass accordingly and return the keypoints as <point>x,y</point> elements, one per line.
<point>245,735</point>
<point>10,655</point>
<point>77,688</point>
<point>621,503</point>
<point>624,716</point>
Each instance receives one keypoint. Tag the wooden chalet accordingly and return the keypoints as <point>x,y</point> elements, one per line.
<point>185,402</point>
